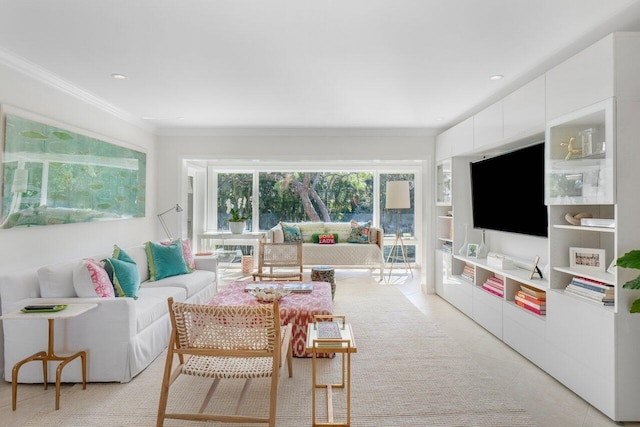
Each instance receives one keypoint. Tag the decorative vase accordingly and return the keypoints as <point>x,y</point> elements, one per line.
<point>236,227</point>
<point>463,248</point>
<point>482,249</point>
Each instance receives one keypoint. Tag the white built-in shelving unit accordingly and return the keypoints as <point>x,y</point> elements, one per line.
<point>588,110</point>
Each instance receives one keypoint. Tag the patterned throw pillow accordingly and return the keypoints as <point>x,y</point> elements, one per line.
<point>165,261</point>
<point>291,232</point>
<point>359,232</point>
<point>325,239</point>
<point>90,279</point>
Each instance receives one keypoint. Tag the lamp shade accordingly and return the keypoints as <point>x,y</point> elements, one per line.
<point>398,195</point>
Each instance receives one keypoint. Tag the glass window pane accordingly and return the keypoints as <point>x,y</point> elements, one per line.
<point>234,192</point>
<point>392,220</point>
<point>315,196</point>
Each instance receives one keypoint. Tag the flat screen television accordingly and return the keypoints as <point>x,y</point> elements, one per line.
<point>507,192</point>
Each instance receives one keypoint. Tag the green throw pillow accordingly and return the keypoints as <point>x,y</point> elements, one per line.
<point>165,261</point>
<point>124,276</point>
<point>316,238</point>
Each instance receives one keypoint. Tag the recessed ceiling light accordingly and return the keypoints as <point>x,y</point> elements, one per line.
<point>119,76</point>
<point>496,77</point>
<point>439,119</point>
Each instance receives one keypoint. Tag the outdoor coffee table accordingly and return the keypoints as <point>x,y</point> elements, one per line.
<point>297,308</point>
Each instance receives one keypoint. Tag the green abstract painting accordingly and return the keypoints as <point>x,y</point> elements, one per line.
<point>55,176</point>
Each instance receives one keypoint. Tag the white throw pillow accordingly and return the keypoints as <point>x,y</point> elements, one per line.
<point>56,281</point>
<point>90,279</point>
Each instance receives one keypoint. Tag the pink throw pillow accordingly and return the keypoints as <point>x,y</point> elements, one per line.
<point>90,279</point>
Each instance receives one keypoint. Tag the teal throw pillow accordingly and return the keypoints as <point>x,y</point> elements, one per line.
<point>291,232</point>
<point>165,261</point>
<point>120,254</point>
<point>359,232</point>
<point>124,276</point>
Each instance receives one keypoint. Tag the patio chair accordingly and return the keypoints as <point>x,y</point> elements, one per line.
<point>279,261</point>
<point>230,343</point>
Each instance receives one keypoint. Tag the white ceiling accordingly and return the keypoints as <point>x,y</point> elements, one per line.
<point>421,64</point>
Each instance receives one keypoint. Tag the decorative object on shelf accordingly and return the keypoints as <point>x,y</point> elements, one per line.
<point>587,259</point>
<point>571,150</point>
<point>398,197</point>
<point>236,227</point>
<point>482,248</point>
<point>472,250</point>
<point>587,141</point>
<point>576,219</point>
<point>535,269</point>
<point>499,261</point>
<point>631,260</point>
<point>177,208</point>
<point>463,248</point>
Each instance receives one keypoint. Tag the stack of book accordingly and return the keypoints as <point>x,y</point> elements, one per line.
<point>447,247</point>
<point>532,299</point>
<point>494,285</point>
<point>469,273</point>
<point>592,290</point>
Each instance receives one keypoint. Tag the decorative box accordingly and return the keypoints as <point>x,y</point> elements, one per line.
<point>499,261</point>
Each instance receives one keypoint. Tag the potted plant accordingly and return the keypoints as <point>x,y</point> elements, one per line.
<point>631,260</point>
<point>237,215</point>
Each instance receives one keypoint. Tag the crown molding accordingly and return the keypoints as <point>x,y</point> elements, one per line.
<point>44,76</point>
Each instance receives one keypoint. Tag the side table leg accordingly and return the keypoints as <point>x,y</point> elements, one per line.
<point>41,355</point>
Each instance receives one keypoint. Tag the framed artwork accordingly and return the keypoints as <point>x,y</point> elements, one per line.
<point>587,259</point>
<point>612,267</point>
<point>472,250</point>
<point>535,269</point>
<point>53,174</point>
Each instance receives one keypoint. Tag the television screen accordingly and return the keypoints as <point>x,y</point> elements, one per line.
<point>507,192</point>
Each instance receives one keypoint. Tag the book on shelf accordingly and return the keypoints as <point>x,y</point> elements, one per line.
<point>493,291</point>
<point>540,306</point>
<point>328,330</point>
<point>538,293</point>
<point>531,298</point>
<point>541,312</point>
<point>495,282</point>
<point>493,287</point>
<point>298,287</point>
<point>586,294</point>
<point>593,285</point>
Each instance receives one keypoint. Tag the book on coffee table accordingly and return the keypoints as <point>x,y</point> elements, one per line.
<point>298,287</point>
<point>260,285</point>
<point>328,330</point>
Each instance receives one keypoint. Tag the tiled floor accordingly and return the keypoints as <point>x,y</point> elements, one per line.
<point>548,401</point>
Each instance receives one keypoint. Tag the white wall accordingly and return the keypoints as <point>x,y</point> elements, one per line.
<point>21,248</point>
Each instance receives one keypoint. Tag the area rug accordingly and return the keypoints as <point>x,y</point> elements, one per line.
<point>407,372</point>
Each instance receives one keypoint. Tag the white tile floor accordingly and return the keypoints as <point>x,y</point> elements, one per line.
<point>548,401</point>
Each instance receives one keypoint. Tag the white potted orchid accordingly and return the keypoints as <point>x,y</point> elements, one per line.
<point>238,215</point>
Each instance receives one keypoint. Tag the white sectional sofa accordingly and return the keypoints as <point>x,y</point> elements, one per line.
<point>343,253</point>
<point>122,336</point>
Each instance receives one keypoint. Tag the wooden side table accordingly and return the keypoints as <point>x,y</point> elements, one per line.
<point>344,345</point>
<point>72,310</point>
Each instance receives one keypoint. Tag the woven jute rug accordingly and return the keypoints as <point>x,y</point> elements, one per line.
<point>407,372</point>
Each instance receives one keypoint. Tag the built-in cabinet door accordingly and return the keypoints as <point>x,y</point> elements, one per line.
<point>524,110</point>
<point>487,126</point>
<point>582,80</point>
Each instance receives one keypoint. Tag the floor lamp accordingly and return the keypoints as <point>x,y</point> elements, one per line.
<point>398,198</point>
<point>176,208</point>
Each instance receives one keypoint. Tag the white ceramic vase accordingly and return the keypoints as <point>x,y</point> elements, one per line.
<point>236,227</point>
<point>463,248</point>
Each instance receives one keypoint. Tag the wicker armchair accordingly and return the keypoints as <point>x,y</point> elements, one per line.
<point>225,342</point>
<point>279,261</point>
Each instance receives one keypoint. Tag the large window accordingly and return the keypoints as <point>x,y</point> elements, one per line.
<point>267,195</point>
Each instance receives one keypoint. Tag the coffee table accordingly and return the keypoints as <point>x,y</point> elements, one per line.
<point>297,309</point>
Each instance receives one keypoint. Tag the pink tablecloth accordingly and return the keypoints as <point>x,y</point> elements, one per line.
<point>295,308</point>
